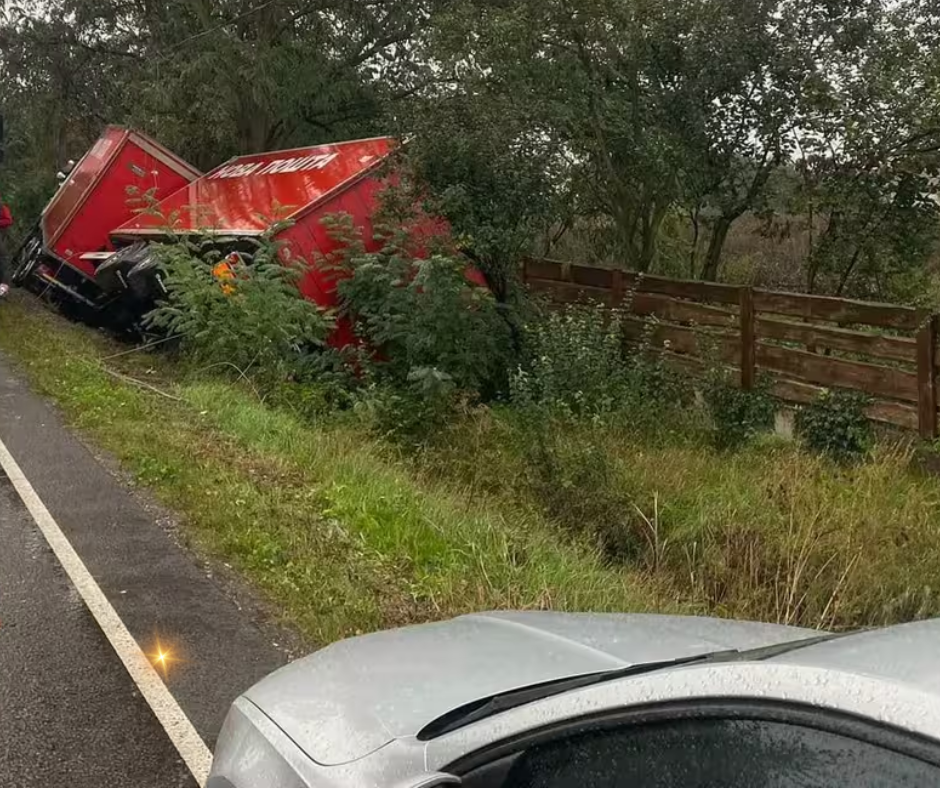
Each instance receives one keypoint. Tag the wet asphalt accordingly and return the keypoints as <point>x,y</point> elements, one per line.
<point>69,713</point>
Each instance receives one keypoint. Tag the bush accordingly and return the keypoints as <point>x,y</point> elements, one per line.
<point>573,362</point>
<point>835,425</point>
<point>575,365</point>
<point>737,415</point>
<point>256,322</point>
<point>413,415</point>
<point>423,314</point>
<point>658,398</point>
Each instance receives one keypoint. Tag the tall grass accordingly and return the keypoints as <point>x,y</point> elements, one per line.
<point>337,532</point>
<point>769,532</point>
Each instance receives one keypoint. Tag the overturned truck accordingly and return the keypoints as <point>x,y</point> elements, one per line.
<point>60,257</point>
<point>94,251</point>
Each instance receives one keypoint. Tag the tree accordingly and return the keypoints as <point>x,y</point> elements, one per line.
<point>212,78</point>
<point>491,173</point>
<point>869,147</point>
<point>654,106</point>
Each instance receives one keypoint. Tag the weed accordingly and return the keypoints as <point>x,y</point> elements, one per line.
<point>410,416</point>
<point>572,479</point>
<point>835,425</point>
<point>737,414</point>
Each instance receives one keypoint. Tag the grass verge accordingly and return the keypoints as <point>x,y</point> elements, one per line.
<point>340,535</point>
<point>769,532</point>
<point>345,535</point>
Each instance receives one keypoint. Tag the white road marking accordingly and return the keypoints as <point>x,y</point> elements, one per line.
<point>174,721</point>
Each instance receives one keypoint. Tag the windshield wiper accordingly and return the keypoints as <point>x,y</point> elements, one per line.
<point>494,704</point>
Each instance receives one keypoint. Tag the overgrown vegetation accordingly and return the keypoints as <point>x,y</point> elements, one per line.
<point>244,313</point>
<point>504,506</point>
<point>737,415</point>
<point>836,425</point>
<point>437,465</point>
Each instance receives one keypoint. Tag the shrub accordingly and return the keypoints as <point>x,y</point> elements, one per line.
<point>410,415</point>
<point>423,314</point>
<point>573,362</point>
<point>256,322</point>
<point>835,425</point>
<point>657,398</point>
<point>575,365</point>
<point>737,415</point>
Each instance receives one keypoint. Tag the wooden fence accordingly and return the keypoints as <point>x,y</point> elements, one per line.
<point>804,343</point>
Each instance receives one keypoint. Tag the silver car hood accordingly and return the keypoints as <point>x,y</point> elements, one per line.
<point>349,699</point>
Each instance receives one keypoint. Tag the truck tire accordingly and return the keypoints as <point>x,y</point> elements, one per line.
<point>143,280</point>
<point>112,275</point>
<point>27,257</point>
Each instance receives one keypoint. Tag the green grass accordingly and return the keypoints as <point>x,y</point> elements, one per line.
<point>344,534</point>
<point>769,532</point>
<point>337,532</point>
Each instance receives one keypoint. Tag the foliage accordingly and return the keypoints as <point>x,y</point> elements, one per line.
<point>318,514</point>
<point>658,398</point>
<point>574,362</point>
<point>423,322</point>
<point>211,79</point>
<point>490,173</point>
<point>255,322</point>
<point>737,414</point>
<point>836,425</point>
<point>647,131</point>
<point>411,416</point>
<point>868,160</point>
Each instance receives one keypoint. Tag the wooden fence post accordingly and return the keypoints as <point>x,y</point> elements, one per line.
<point>927,377</point>
<point>616,282</point>
<point>748,339</point>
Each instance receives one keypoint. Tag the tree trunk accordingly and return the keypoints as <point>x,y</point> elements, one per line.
<point>695,216</point>
<point>652,223</point>
<point>716,246</point>
<point>828,239</point>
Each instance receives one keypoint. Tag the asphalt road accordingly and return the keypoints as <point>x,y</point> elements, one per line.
<point>70,714</point>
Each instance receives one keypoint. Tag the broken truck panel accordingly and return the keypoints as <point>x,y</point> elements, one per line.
<point>244,196</point>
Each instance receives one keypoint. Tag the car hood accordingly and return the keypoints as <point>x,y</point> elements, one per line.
<point>351,698</point>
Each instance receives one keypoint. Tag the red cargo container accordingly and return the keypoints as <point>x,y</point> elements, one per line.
<point>96,197</point>
<point>245,196</point>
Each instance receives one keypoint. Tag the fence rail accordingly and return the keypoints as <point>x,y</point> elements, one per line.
<point>804,343</point>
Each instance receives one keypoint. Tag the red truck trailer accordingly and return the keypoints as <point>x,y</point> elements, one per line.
<point>247,195</point>
<point>61,255</point>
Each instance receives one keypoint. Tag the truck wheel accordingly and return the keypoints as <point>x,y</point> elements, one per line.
<point>26,259</point>
<point>144,279</point>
